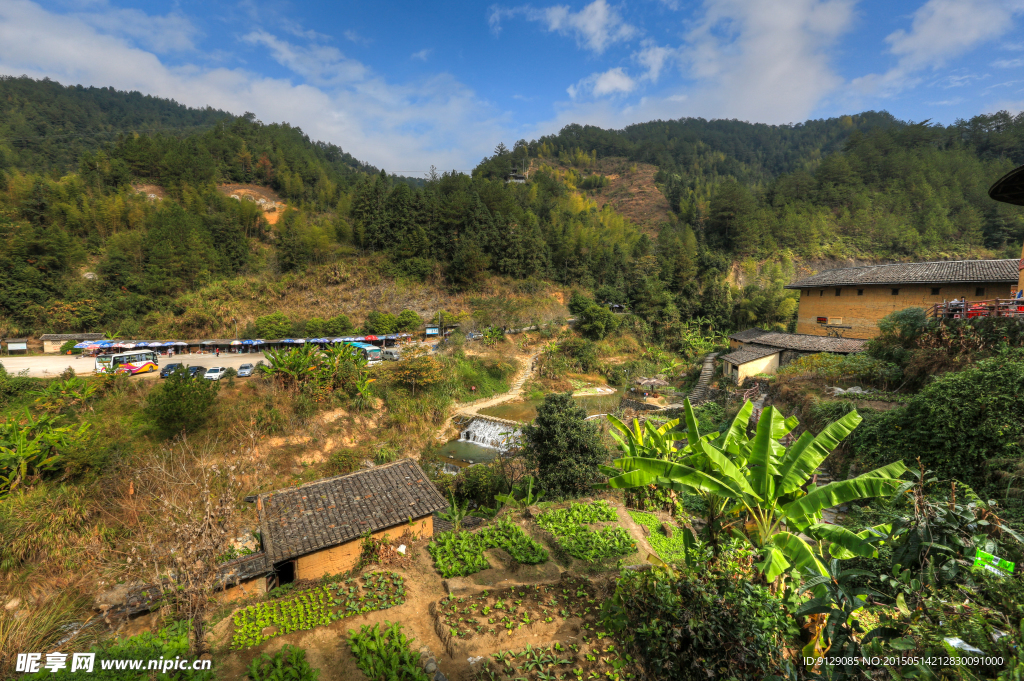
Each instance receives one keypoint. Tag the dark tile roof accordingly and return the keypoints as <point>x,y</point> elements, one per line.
<point>71,336</point>
<point>333,511</point>
<point>748,353</point>
<point>943,272</point>
<point>804,342</point>
<point>747,335</point>
<point>243,568</point>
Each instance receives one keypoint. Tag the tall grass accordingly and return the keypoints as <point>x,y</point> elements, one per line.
<point>41,627</point>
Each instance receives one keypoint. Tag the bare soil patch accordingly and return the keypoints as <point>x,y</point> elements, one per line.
<point>267,198</point>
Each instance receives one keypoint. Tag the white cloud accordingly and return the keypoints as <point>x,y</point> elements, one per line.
<point>612,82</point>
<point>422,54</point>
<point>436,120</point>
<point>316,63</point>
<point>653,58</point>
<point>766,61</point>
<point>1008,63</point>
<point>354,37</point>
<point>940,30</point>
<point>595,27</point>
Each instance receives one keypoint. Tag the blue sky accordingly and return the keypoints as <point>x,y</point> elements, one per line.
<point>407,85</point>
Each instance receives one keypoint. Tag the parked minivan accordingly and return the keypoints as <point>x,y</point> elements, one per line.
<point>390,354</point>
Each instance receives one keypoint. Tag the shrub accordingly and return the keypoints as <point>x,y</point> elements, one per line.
<point>961,425</point>
<point>380,323</point>
<point>408,321</point>
<point>563,446</point>
<point>699,626</point>
<point>582,354</point>
<point>182,404</point>
<point>69,346</point>
<point>274,325</point>
<point>596,321</point>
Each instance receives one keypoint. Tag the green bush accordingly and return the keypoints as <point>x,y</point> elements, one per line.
<point>272,326</point>
<point>182,404</point>
<point>563,446</point>
<point>596,321</point>
<point>964,425</point>
<point>69,346</point>
<point>694,627</point>
<point>408,321</point>
<point>581,353</point>
<point>380,323</point>
<point>287,664</point>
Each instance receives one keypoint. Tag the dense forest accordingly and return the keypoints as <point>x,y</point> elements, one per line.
<point>82,248</point>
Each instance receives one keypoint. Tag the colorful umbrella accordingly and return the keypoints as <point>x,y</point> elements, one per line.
<point>372,338</point>
<point>127,346</point>
<point>180,343</point>
<point>82,345</point>
<point>236,342</point>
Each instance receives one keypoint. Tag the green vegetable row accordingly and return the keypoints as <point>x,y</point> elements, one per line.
<point>317,607</point>
<point>461,554</point>
<point>385,655</point>
<point>569,525</point>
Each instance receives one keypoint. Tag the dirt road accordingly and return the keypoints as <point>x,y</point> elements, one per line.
<point>50,366</point>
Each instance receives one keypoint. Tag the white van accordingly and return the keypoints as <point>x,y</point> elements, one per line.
<point>390,354</point>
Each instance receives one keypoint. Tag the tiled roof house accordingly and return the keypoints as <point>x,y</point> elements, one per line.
<point>318,526</point>
<point>850,301</point>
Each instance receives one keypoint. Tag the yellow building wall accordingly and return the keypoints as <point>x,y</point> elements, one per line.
<point>342,558</point>
<point>764,365</point>
<point>862,312</point>
<point>52,346</point>
<point>256,585</point>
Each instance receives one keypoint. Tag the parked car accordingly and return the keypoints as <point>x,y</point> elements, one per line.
<point>168,369</point>
<point>245,370</point>
<point>196,371</point>
<point>473,335</point>
<point>214,373</point>
<point>391,354</point>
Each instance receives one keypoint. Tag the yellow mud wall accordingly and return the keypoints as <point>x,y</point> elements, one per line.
<point>862,311</point>
<point>342,558</point>
<point>256,585</point>
<point>765,365</point>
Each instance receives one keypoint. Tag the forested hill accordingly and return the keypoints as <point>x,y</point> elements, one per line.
<point>46,126</point>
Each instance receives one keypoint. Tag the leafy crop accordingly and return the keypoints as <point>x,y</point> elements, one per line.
<point>385,655</point>
<point>461,554</point>
<point>289,664</point>
<point>669,549</point>
<point>569,527</point>
<point>317,607</point>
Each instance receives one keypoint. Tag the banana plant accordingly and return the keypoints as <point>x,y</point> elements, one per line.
<point>765,480</point>
<point>526,501</point>
<point>646,440</point>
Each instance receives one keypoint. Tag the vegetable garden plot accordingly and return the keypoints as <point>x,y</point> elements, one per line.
<point>568,525</point>
<point>669,549</point>
<point>504,612</point>
<point>317,606</point>
<point>594,656</point>
<point>382,653</point>
<point>462,554</point>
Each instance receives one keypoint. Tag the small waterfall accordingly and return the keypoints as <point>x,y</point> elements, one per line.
<point>488,433</point>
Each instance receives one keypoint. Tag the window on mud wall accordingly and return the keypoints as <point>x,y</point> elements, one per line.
<point>895,291</point>
<point>979,291</point>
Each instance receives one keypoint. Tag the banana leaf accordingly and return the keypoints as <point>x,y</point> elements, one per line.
<point>807,453</point>
<point>675,476</point>
<point>881,482</point>
<point>840,537</point>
